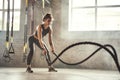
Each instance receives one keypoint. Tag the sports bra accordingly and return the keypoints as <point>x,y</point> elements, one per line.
<point>44,31</point>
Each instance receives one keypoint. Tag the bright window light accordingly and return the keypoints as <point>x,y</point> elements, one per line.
<point>108,19</point>
<point>1,4</point>
<point>82,19</point>
<point>3,15</point>
<point>1,20</point>
<point>16,4</point>
<point>16,21</point>
<point>94,15</point>
<point>78,3</point>
<point>108,2</point>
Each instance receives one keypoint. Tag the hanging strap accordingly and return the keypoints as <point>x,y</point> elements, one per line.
<point>6,52</point>
<point>11,49</point>
<point>7,26</point>
<point>43,3</point>
<point>32,17</point>
<point>25,33</point>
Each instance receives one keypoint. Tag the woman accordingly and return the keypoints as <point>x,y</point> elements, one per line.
<point>36,38</point>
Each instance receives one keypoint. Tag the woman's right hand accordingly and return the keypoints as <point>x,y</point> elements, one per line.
<point>44,51</point>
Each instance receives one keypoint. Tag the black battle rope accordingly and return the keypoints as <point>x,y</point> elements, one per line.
<point>113,54</point>
<point>6,52</point>
<point>11,49</point>
<point>87,57</point>
<point>25,33</point>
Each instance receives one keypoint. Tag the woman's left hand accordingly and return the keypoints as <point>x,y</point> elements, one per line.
<point>52,51</point>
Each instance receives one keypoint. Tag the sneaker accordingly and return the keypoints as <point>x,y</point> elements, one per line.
<point>29,70</point>
<point>51,69</point>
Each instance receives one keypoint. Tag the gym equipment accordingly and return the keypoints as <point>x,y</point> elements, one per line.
<point>25,33</point>
<point>6,55</point>
<point>106,47</point>
<point>9,49</point>
<point>32,22</point>
<point>32,17</point>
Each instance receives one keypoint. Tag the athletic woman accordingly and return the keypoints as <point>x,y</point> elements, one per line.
<point>41,31</point>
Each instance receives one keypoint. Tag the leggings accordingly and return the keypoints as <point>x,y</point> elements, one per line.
<point>30,55</point>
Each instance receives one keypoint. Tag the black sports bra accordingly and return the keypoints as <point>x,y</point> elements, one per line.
<point>44,31</point>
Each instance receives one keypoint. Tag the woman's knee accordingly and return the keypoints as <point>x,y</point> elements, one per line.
<point>31,52</point>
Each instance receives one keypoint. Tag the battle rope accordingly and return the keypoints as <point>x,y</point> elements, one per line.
<point>112,53</point>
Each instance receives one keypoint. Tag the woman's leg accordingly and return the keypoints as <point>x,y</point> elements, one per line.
<point>30,55</point>
<point>48,59</point>
<point>47,56</point>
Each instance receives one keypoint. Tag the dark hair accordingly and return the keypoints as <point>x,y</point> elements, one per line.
<point>47,16</point>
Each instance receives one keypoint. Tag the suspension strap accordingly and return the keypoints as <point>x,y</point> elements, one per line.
<point>11,49</point>
<point>6,52</point>
<point>43,3</point>
<point>32,17</point>
<point>3,13</point>
<point>8,25</point>
<point>25,33</point>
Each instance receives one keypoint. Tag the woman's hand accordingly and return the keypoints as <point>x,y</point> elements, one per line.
<point>52,50</point>
<point>44,51</point>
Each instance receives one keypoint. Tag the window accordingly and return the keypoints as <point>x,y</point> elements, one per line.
<point>94,15</point>
<point>3,14</point>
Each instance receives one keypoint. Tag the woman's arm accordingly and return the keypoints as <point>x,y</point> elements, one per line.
<point>50,41</point>
<point>39,34</point>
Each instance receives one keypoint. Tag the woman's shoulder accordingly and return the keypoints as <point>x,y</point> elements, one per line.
<point>50,28</point>
<point>39,26</point>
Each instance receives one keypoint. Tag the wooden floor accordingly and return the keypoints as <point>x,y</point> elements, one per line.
<point>62,74</point>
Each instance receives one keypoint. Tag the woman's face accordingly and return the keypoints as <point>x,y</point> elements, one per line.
<point>48,21</point>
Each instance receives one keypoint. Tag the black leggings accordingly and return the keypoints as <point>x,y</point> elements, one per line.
<point>30,55</point>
